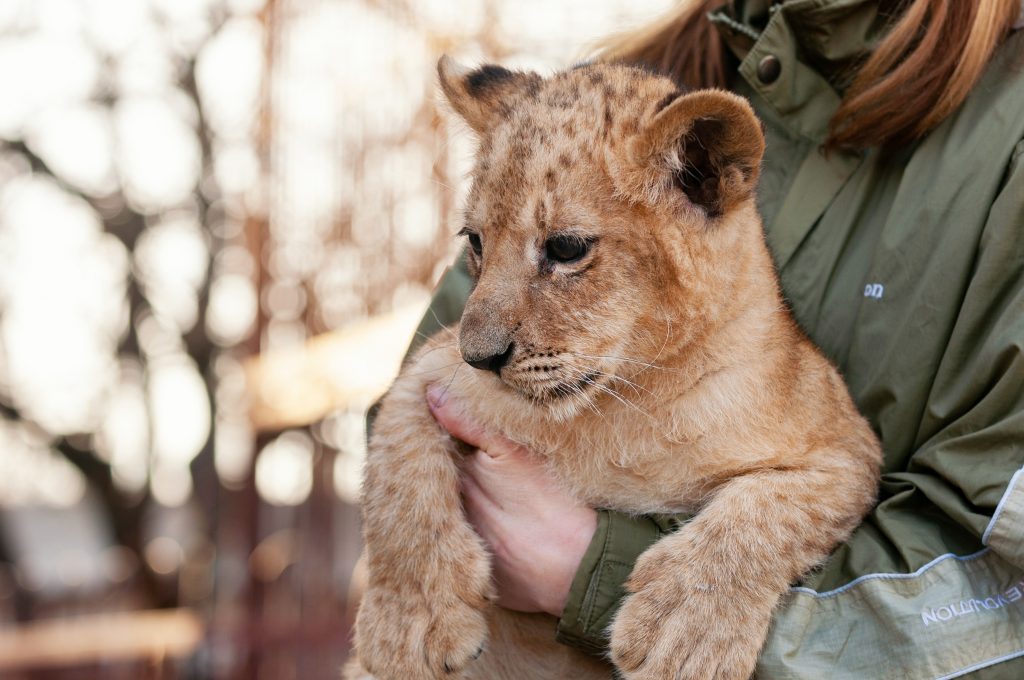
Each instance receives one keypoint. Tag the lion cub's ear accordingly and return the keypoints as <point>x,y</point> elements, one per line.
<point>708,144</point>
<point>486,95</point>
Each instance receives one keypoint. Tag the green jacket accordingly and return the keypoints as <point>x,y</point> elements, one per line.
<point>908,271</point>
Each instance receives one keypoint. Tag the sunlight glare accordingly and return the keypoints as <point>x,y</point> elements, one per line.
<point>180,408</point>
<point>123,437</point>
<point>62,291</point>
<point>172,259</point>
<point>228,74</point>
<point>76,143</point>
<point>38,73</point>
<point>114,25</point>
<point>32,474</point>
<point>232,309</point>
<point>157,152</point>
<point>284,469</point>
<point>345,431</point>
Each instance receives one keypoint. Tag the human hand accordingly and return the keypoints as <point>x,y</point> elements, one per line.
<point>537,532</point>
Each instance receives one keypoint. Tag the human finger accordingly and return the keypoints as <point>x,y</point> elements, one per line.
<point>494,478</point>
<point>450,415</point>
<point>479,506</point>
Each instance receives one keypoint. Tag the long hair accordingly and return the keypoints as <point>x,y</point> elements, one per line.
<point>930,56</point>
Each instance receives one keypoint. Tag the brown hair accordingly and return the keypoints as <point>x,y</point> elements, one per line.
<point>931,56</point>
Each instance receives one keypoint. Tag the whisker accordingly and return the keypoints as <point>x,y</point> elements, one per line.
<point>613,377</point>
<point>432,370</point>
<point>609,391</point>
<point>637,389</point>
<point>425,336</point>
<point>627,360</point>
<point>444,327</point>
<point>668,335</point>
<point>434,349</point>
<point>452,379</point>
<point>619,397</point>
<point>587,400</point>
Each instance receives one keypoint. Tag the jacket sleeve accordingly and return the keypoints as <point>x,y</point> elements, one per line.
<point>932,584</point>
<point>445,308</point>
<point>446,304</point>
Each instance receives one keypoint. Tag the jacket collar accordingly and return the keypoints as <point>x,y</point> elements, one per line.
<point>815,41</point>
<point>831,34</point>
<point>812,41</point>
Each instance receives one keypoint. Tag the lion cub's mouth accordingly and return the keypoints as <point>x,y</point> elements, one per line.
<point>564,390</point>
<point>549,377</point>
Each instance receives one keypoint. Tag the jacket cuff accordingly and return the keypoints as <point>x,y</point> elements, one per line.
<point>599,584</point>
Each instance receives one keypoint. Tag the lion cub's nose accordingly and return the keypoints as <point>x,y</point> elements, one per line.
<point>494,362</point>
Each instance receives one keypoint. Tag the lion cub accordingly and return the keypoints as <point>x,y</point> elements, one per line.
<point>627,327</point>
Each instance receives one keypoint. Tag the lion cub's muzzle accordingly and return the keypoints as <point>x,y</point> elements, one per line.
<point>488,361</point>
<point>485,341</point>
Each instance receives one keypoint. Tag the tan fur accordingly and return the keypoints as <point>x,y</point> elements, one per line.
<point>660,373</point>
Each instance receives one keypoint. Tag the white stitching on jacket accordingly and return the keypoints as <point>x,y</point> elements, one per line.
<point>941,558</point>
<point>982,664</point>
<point>999,508</point>
<point>888,577</point>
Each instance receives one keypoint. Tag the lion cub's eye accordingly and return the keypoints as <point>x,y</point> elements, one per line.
<point>474,241</point>
<point>566,247</point>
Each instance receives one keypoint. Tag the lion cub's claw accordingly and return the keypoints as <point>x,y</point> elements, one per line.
<point>402,636</point>
<point>472,657</point>
<point>455,639</point>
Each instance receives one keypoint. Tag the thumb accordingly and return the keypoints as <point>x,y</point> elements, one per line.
<point>453,418</point>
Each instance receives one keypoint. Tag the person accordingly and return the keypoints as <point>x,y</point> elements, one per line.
<point>892,192</point>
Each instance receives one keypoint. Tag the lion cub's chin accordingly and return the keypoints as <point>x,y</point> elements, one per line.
<point>565,409</point>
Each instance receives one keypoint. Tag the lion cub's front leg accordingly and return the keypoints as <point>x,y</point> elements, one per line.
<point>703,597</point>
<point>429,575</point>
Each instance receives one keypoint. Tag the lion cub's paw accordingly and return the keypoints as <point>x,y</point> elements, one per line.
<point>673,629</point>
<point>402,636</point>
<point>456,638</point>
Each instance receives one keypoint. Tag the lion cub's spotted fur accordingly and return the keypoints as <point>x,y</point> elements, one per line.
<point>659,372</point>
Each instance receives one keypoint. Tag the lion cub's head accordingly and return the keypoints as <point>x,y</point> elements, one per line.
<point>607,218</point>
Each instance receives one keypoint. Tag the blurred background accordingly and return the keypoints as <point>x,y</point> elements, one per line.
<point>220,221</point>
